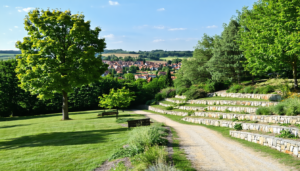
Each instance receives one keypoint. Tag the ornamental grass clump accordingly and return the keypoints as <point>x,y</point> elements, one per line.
<point>289,106</point>
<point>264,111</point>
<point>142,138</point>
<point>234,89</point>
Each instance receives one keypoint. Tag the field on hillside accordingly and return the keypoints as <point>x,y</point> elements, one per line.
<point>121,54</point>
<point>5,56</point>
<point>47,143</point>
<point>173,57</point>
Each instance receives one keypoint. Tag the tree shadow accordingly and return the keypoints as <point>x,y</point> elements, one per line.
<point>11,126</point>
<point>60,138</point>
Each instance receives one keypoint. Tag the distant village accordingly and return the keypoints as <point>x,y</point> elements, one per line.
<point>143,68</point>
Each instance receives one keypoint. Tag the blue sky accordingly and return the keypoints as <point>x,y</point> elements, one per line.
<point>132,24</point>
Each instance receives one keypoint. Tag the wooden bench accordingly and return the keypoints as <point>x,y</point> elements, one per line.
<point>139,122</point>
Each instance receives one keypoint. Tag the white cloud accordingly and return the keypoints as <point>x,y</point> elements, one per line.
<point>10,29</point>
<point>161,9</point>
<point>20,9</point>
<point>175,29</point>
<point>6,6</point>
<point>109,36</point>
<point>158,40</point>
<point>159,27</point>
<point>113,3</point>
<point>213,26</point>
<point>16,26</point>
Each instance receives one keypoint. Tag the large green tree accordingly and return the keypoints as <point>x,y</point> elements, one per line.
<point>270,35</point>
<point>59,54</point>
<point>194,70</point>
<point>226,63</point>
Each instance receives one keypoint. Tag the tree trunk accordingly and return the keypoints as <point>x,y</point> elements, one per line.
<point>65,112</point>
<point>295,75</point>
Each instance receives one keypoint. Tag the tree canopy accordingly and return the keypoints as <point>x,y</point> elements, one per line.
<point>58,54</point>
<point>270,35</point>
<point>119,98</point>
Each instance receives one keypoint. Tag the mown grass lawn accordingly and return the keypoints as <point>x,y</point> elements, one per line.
<point>47,143</point>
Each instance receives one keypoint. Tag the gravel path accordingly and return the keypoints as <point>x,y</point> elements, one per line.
<point>209,150</point>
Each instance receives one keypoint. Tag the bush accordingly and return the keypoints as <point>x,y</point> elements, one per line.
<point>266,90</point>
<point>159,97</point>
<point>263,111</point>
<point>209,86</point>
<point>151,102</point>
<point>256,91</point>
<point>195,93</point>
<point>142,138</point>
<point>221,117</point>
<point>191,112</point>
<point>238,127</point>
<point>168,92</point>
<point>234,119</point>
<point>279,109</point>
<point>181,90</point>
<point>235,88</point>
<point>248,90</point>
<point>169,108</point>
<point>286,134</point>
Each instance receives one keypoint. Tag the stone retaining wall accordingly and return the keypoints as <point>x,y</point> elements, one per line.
<point>170,112</point>
<point>283,145</point>
<point>225,102</point>
<point>273,97</point>
<point>246,126</point>
<point>217,108</point>
<point>259,118</point>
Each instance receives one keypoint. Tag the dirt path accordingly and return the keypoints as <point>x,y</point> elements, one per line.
<point>209,150</point>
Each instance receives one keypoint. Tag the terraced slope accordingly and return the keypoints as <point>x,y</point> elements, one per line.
<point>229,112</point>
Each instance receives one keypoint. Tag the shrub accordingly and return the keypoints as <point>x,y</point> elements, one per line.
<point>221,117</point>
<point>181,90</point>
<point>168,92</point>
<point>151,102</point>
<point>191,112</point>
<point>256,91</point>
<point>238,127</point>
<point>248,89</point>
<point>279,109</point>
<point>159,97</point>
<point>209,86</point>
<point>235,88</point>
<point>286,134</point>
<point>263,111</point>
<point>195,93</point>
<point>181,104</point>
<point>267,89</point>
<point>169,108</point>
<point>235,119</point>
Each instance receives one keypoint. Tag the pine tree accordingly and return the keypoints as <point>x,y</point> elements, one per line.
<point>226,63</point>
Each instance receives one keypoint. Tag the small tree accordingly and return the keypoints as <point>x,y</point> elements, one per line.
<point>119,98</point>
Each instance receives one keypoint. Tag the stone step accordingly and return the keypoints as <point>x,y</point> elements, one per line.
<point>225,102</point>
<point>216,108</point>
<point>246,126</point>
<point>291,147</point>
<point>170,112</point>
<point>278,119</point>
<point>272,97</point>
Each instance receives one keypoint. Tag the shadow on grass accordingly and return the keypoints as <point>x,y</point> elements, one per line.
<point>61,138</point>
<point>48,115</point>
<point>11,126</point>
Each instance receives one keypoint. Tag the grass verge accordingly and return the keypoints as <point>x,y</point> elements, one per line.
<point>283,158</point>
<point>46,143</point>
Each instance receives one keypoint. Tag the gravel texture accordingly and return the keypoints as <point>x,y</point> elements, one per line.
<point>209,150</point>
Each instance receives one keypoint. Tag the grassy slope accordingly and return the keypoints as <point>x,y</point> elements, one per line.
<point>46,143</point>
<point>279,156</point>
